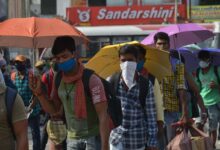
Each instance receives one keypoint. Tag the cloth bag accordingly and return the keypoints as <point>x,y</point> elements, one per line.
<point>200,140</point>
<point>180,142</point>
<point>57,131</point>
<point>198,143</point>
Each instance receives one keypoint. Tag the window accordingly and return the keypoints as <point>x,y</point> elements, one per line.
<point>209,2</point>
<point>3,10</point>
<point>97,2</point>
<point>48,7</point>
<point>96,43</point>
<point>121,39</point>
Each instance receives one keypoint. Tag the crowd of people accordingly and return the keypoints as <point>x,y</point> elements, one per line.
<point>148,110</point>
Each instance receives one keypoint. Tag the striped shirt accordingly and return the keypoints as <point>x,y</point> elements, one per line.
<point>136,130</point>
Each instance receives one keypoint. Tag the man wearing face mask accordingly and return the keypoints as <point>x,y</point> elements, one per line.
<point>207,77</point>
<point>21,81</point>
<point>138,129</point>
<point>86,115</point>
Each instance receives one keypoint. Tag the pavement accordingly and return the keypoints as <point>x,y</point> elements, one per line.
<point>218,145</point>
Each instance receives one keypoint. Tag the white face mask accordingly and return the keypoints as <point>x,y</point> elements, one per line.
<point>204,64</point>
<point>128,71</point>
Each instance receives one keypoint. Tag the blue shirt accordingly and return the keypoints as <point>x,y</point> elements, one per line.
<point>137,130</point>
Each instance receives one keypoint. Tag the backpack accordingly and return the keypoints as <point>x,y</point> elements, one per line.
<point>10,96</point>
<point>151,78</point>
<point>114,105</point>
<point>215,71</point>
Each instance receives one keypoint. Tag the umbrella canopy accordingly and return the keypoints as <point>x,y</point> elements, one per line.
<point>192,61</point>
<point>106,61</point>
<point>35,32</point>
<point>181,34</point>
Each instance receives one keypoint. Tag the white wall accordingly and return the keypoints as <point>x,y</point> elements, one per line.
<point>61,7</point>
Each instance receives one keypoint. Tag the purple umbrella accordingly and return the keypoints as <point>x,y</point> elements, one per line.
<point>181,34</point>
<point>192,61</point>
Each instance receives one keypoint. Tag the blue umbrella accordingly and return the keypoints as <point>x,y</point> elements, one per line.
<point>192,61</point>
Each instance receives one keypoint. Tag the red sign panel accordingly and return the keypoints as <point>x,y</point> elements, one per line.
<point>123,15</point>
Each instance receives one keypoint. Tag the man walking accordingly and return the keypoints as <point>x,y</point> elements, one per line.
<point>86,114</point>
<point>21,81</point>
<point>208,80</point>
<point>139,128</point>
<point>173,88</point>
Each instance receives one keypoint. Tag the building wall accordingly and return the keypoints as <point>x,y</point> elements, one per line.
<point>61,7</point>
<point>16,8</point>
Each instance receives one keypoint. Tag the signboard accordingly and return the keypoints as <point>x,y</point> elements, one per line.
<point>206,13</point>
<point>141,2</point>
<point>123,15</point>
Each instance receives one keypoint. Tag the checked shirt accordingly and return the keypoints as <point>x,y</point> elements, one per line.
<point>136,130</point>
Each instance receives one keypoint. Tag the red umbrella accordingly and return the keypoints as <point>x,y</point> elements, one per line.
<point>36,32</point>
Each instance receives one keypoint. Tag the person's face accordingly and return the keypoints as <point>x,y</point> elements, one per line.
<point>162,45</point>
<point>20,65</point>
<point>64,56</point>
<point>127,57</point>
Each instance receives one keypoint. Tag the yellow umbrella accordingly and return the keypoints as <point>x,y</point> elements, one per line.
<point>106,61</point>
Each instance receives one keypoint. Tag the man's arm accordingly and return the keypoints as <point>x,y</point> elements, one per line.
<point>21,134</point>
<point>101,109</point>
<point>48,105</point>
<point>195,90</point>
<point>181,90</point>
<point>99,99</point>
<point>151,119</point>
<point>182,98</point>
<point>20,124</point>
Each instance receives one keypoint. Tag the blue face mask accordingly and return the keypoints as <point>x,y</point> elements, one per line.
<point>67,65</point>
<point>140,65</point>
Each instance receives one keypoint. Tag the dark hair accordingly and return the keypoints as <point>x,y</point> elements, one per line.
<point>162,36</point>
<point>175,54</point>
<point>63,43</point>
<point>141,50</point>
<point>128,49</point>
<point>203,54</point>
